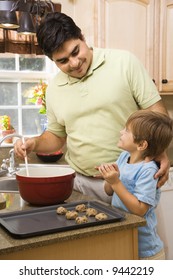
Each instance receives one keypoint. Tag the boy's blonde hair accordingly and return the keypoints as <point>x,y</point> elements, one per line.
<point>154,127</point>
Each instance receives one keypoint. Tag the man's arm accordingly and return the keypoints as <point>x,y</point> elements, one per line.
<point>158,107</point>
<point>47,142</point>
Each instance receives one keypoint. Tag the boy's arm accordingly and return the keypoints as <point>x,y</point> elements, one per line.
<point>108,189</point>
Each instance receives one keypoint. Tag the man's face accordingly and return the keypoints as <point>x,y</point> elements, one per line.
<point>73,58</point>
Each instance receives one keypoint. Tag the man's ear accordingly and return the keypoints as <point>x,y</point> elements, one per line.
<point>142,145</point>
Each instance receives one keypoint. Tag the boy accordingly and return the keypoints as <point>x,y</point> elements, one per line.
<point>131,179</point>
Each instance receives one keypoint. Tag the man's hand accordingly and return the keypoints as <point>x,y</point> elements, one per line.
<point>22,149</point>
<point>163,172</point>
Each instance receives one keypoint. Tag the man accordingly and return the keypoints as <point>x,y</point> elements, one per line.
<point>89,101</point>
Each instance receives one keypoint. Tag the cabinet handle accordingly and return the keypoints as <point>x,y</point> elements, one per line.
<point>153,81</point>
<point>164,81</point>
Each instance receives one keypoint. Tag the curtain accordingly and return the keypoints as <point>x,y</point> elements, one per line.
<point>12,42</point>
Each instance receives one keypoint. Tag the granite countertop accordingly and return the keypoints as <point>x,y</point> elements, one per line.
<point>9,244</point>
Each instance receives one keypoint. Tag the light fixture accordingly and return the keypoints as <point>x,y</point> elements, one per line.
<point>29,14</point>
<point>26,25</point>
<point>8,20</point>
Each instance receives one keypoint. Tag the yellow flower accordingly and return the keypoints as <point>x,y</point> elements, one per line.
<point>5,122</point>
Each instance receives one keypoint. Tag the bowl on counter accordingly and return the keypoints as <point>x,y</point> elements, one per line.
<point>45,185</point>
<point>50,157</point>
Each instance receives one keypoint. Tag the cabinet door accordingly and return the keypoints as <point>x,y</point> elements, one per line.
<point>84,13</point>
<point>166,47</point>
<point>128,24</point>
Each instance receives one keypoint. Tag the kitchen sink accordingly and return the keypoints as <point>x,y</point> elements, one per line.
<point>8,184</point>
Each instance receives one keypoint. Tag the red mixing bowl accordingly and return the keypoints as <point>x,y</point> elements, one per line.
<point>45,185</point>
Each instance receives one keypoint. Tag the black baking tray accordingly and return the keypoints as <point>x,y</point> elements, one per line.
<point>45,220</point>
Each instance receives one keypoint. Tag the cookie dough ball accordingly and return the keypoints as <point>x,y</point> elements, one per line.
<point>71,215</point>
<point>81,208</point>
<point>101,216</point>
<point>91,212</point>
<point>61,210</point>
<point>81,220</point>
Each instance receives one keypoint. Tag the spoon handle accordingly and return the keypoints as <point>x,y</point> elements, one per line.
<point>26,160</point>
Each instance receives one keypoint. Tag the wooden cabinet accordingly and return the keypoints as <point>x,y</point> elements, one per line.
<point>118,245</point>
<point>85,15</point>
<point>166,47</point>
<point>145,28</point>
<point>129,25</point>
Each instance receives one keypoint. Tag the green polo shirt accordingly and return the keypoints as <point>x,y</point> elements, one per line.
<point>91,111</point>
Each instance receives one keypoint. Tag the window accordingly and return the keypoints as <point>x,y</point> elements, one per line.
<point>18,73</point>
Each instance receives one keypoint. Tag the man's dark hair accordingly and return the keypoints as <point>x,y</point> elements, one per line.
<point>55,29</point>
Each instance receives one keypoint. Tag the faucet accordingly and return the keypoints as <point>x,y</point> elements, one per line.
<point>10,136</point>
<point>11,168</point>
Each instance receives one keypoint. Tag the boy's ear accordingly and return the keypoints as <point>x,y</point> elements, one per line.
<point>142,145</point>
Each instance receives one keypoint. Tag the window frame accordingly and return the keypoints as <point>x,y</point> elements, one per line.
<point>25,76</point>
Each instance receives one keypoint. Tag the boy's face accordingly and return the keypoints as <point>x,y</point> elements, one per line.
<point>73,58</point>
<point>126,140</point>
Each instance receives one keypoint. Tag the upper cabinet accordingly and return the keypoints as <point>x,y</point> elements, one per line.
<point>166,47</point>
<point>85,15</point>
<point>128,24</point>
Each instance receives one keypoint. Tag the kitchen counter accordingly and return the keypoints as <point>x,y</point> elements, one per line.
<point>118,240</point>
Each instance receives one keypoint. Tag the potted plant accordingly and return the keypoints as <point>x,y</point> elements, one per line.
<point>6,127</point>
